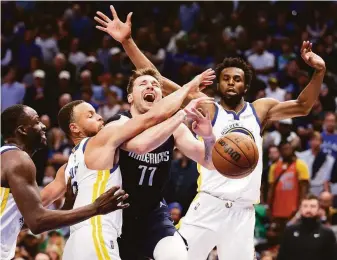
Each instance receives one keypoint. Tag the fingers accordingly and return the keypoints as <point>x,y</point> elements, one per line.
<point>100,21</point>
<point>122,198</point>
<point>204,100</point>
<point>101,28</point>
<point>113,189</point>
<point>128,18</point>
<point>119,194</point>
<point>197,112</point>
<point>194,125</point>
<point>114,13</point>
<point>206,82</point>
<point>103,16</point>
<point>123,206</point>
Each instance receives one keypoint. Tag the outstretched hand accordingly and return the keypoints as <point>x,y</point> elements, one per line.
<point>115,28</point>
<point>311,58</point>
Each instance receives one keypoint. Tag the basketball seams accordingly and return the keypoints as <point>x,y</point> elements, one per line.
<point>228,160</point>
<point>240,150</point>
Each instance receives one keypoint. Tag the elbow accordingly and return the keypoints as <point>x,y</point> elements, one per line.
<point>154,119</point>
<point>141,149</point>
<point>35,228</point>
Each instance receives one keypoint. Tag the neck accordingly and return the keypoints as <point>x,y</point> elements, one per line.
<point>77,140</point>
<point>134,111</point>
<point>20,145</point>
<point>235,107</point>
<point>288,160</point>
<point>315,151</point>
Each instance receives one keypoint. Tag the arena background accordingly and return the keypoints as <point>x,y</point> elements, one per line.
<point>51,54</point>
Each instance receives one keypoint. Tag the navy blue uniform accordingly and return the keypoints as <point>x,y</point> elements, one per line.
<point>147,220</point>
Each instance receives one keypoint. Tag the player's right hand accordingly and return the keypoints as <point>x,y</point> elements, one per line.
<point>111,200</point>
<point>115,28</point>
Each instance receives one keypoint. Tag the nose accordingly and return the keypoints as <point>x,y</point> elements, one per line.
<point>99,117</point>
<point>231,82</point>
<point>149,87</point>
<point>43,127</point>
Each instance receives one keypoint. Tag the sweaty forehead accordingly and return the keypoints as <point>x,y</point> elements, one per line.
<point>82,110</point>
<point>31,114</point>
<point>232,71</point>
<point>145,78</point>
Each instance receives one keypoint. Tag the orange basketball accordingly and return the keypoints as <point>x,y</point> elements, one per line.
<point>235,155</point>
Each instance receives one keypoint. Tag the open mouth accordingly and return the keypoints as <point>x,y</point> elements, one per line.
<point>149,97</point>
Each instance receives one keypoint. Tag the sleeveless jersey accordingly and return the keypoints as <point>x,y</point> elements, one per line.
<point>90,184</point>
<point>10,218</point>
<point>145,176</point>
<point>247,189</point>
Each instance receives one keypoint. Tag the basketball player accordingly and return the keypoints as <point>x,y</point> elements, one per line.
<point>23,134</point>
<point>94,152</point>
<point>222,214</point>
<point>145,163</point>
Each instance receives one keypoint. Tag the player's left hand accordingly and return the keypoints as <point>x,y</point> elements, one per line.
<point>311,58</point>
<point>70,196</point>
<point>201,125</point>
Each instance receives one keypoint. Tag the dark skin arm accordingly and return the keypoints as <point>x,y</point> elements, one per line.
<point>304,187</point>
<point>21,177</point>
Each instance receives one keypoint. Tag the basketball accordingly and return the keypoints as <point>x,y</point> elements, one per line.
<point>235,155</point>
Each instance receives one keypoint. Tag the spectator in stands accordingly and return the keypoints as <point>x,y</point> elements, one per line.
<point>42,256</point>
<point>176,212</point>
<point>28,78</point>
<point>330,134</point>
<point>309,239</point>
<point>274,91</point>
<point>111,107</point>
<point>262,61</point>
<point>319,164</point>
<point>289,181</point>
<point>12,91</point>
<point>286,56</point>
<point>76,56</point>
<point>47,43</point>
<point>103,53</point>
<point>326,204</point>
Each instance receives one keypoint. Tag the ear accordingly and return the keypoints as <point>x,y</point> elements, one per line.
<point>21,130</point>
<point>130,98</point>
<point>74,128</point>
<point>246,89</point>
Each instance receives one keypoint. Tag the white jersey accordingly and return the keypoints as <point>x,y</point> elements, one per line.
<point>11,220</point>
<point>247,189</point>
<point>90,185</point>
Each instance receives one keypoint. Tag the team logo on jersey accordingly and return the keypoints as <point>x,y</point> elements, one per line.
<point>237,127</point>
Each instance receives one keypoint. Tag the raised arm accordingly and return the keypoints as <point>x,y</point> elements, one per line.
<point>22,182</point>
<point>121,32</point>
<point>54,190</point>
<point>101,148</point>
<point>271,109</point>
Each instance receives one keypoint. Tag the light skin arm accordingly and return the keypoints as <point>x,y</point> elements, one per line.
<point>271,109</point>
<point>121,32</point>
<point>22,182</point>
<point>54,190</point>
<point>101,148</point>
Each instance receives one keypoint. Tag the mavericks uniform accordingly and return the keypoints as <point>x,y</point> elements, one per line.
<point>94,238</point>
<point>222,214</point>
<point>147,220</point>
<point>10,218</point>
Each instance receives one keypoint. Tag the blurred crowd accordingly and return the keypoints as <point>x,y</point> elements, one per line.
<point>52,54</point>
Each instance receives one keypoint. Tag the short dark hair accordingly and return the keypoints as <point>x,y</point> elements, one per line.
<point>11,118</point>
<point>236,63</point>
<point>66,115</point>
<point>141,72</point>
<point>310,196</point>
<point>282,143</point>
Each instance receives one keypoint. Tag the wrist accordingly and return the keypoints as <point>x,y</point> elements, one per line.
<point>127,41</point>
<point>209,138</point>
<point>182,115</point>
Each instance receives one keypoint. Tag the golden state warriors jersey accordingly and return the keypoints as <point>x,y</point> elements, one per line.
<point>247,189</point>
<point>11,220</point>
<point>90,184</point>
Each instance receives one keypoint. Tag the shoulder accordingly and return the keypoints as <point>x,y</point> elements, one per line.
<point>300,163</point>
<point>16,159</point>
<point>292,228</point>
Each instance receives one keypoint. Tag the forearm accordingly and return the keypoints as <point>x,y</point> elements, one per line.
<point>49,195</point>
<point>208,146</point>
<point>155,136</point>
<point>53,219</point>
<point>135,55</point>
<point>310,93</point>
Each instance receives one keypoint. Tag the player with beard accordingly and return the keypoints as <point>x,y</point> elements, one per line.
<point>222,214</point>
<point>23,134</point>
<point>93,165</point>
<point>145,163</point>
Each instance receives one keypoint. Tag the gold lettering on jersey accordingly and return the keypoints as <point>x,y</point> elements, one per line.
<point>237,127</point>
<point>151,158</point>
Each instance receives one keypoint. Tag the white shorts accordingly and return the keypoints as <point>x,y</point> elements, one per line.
<point>88,244</point>
<point>212,222</point>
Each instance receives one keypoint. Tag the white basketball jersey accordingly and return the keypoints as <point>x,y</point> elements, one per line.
<point>11,220</point>
<point>90,185</point>
<point>247,189</point>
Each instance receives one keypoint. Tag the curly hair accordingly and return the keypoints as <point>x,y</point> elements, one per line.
<point>237,63</point>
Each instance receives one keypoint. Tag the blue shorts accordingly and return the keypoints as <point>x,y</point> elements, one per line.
<point>141,234</point>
